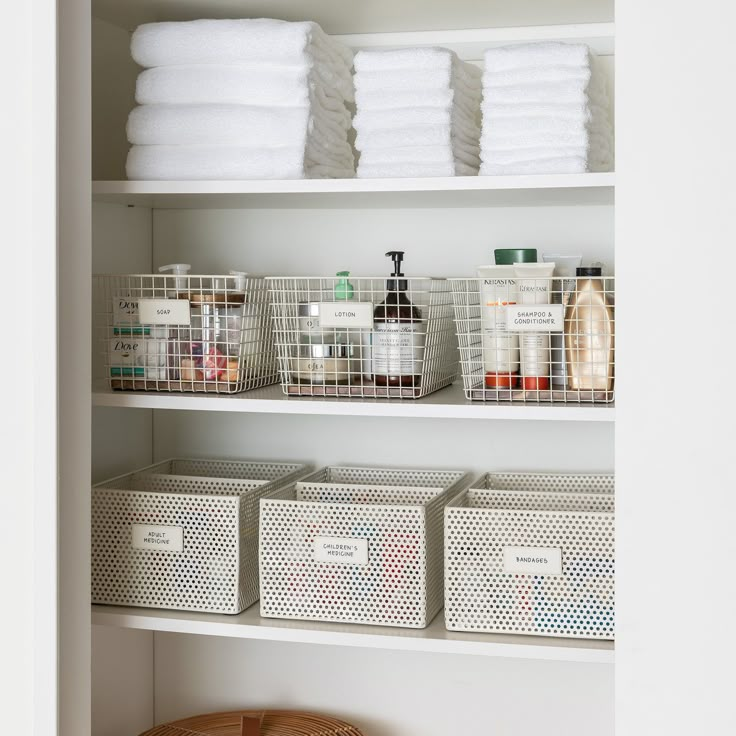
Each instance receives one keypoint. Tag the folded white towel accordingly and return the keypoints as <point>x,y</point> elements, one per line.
<point>525,155</point>
<point>380,100</point>
<point>542,139</point>
<point>240,85</point>
<point>418,135</point>
<point>520,110</point>
<point>410,116</point>
<point>259,40</point>
<point>393,171</point>
<point>562,165</point>
<point>529,55</point>
<point>536,75</point>
<point>513,127</point>
<point>226,163</point>
<point>402,80</point>
<point>416,58</point>
<point>457,153</point>
<point>237,125</point>
<point>571,91</point>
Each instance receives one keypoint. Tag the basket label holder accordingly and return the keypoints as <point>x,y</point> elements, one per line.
<point>533,560</point>
<point>341,550</point>
<point>158,537</point>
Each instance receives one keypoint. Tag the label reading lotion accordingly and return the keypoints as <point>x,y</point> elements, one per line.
<point>155,536</point>
<point>164,311</point>
<point>344,550</point>
<point>535,318</point>
<point>533,560</point>
<point>346,314</point>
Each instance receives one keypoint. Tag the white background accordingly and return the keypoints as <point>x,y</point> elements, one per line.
<point>675,244</point>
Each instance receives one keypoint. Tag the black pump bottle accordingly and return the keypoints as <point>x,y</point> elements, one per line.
<point>397,336</point>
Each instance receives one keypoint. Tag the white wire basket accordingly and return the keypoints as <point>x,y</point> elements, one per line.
<point>184,333</point>
<point>532,554</point>
<point>356,545</point>
<point>182,534</point>
<point>551,342</point>
<point>372,345</point>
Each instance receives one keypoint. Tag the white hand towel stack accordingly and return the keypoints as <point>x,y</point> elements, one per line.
<point>240,99</point>
<point>417,113</point>
<point>545,111</point>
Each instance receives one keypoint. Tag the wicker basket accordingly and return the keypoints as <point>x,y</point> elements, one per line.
<point>356,545</point>
<point>256,723</point>
<point>182,534</point>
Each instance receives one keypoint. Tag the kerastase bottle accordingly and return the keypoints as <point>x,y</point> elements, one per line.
<point>589,334</point>
<point>398,334</point>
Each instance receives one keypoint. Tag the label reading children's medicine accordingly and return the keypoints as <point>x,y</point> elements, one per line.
<point>164,311</point>
<point>343,550</point>
<point>158,537</point>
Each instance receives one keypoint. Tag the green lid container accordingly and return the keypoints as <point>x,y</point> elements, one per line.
<point>343,288</point>
<point>509,256</point>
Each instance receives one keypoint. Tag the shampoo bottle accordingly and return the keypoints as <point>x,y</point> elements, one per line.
<point>589,334</point>
<point>398,337</point>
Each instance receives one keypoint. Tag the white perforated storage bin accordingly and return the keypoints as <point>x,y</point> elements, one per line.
<point>356,545</point>
<point>532,554</point>
<point>182,534</point>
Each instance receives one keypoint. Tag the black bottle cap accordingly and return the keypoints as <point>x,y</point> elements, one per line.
<point>588,271</point>
<point>396,283</point>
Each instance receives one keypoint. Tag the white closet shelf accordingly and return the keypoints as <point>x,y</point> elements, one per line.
<point>448,403</point>
<point>435,638</point>
<point>462,191</point>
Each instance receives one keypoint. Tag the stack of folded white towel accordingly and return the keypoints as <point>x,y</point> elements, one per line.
<point>417,113</point>
<point>545,111</point>
<point>240,99</point>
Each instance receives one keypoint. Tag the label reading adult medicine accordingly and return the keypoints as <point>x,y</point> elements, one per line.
<point>158,537</point>
<point>533,560</point>
<point>397,348</point>
<point>164,311</point>
<point>342,550</point>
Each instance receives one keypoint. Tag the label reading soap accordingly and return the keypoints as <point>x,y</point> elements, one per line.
<point>535,318</point>
<point>533,560</point>
<point>164,311</point>
<point>398,348</point>
<point>358,315</point>
<point>158,537</point>
<point>342,550</point>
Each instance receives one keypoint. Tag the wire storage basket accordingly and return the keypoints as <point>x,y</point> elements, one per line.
<point>537,340</point>
<point>368,342</point>
<point>532,554</point>
<point>168,332</point>
<point>356,545</point>
<point>182,534</point>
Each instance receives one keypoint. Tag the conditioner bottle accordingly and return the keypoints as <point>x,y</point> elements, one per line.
<point>398,334</point>
<point>589,334</point>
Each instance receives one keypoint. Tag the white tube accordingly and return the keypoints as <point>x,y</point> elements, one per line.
<point>500,347</point>
<point>565,270</point>
<point>533,288</point>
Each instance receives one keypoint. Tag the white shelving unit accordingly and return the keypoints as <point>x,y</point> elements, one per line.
<point>172,660</point>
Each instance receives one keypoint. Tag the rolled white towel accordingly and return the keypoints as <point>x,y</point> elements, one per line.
<point>399,170</point>
<point>239,84</point>
<point>251,40</point>
<point>561,165</point>
<point>381,100</point>
<point>163,163</point>
<point>457,153</point>
<point>530,55</point>
<point>237,125</point>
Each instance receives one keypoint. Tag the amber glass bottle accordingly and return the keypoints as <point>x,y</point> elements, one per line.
<point>398,337</point>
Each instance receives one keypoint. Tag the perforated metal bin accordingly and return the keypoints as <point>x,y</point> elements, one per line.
<point>532,554</point>
<point>182,534</point>
<point>356,545</point>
